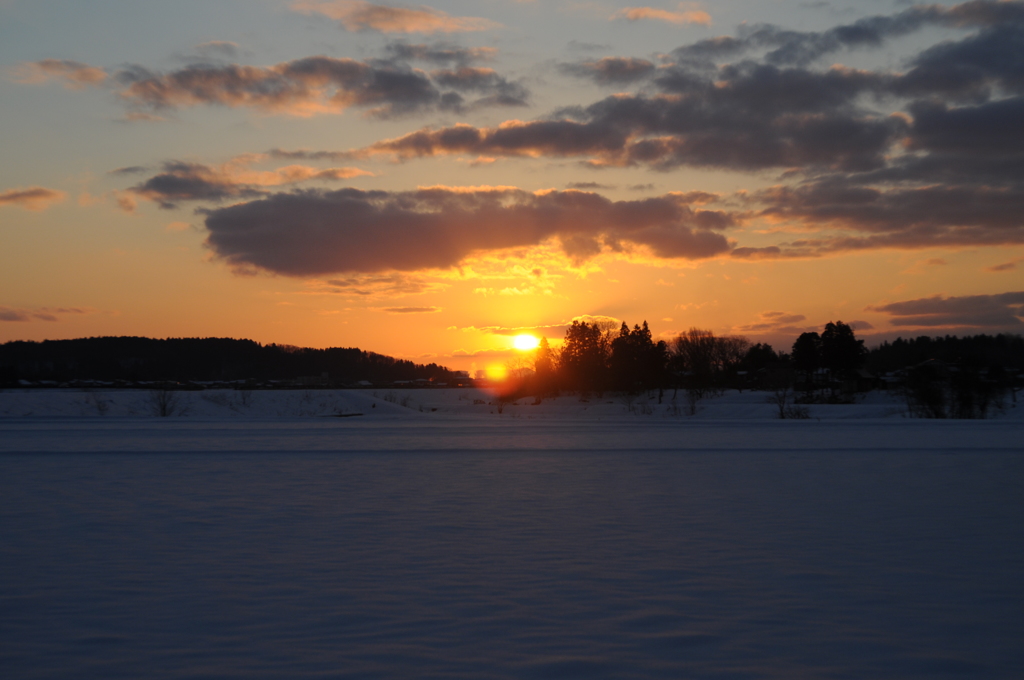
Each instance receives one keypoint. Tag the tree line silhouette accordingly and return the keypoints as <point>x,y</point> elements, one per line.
<point>940,377</point>
<point>183,360</point>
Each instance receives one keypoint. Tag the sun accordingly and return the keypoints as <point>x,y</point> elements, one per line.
<point>525,342</point>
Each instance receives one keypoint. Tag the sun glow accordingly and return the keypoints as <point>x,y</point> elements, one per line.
<point>497,372</point>
<point>525,342</point>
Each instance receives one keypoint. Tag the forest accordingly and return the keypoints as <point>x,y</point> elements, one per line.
<point>190,360</point>
<point>939,377</point>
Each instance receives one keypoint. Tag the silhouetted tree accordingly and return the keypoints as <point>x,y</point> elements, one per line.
<point>694,354</point>
<point>582,363</point>
<point>758,356</point>
<point>841,352</point>
<point>806,356</point>
<point>636,361</point>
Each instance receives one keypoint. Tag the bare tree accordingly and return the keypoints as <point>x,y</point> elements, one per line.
<point>164,402</point>
<point>693,361</point>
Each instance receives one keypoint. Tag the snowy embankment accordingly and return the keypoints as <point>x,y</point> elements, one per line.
<point>394,404</point>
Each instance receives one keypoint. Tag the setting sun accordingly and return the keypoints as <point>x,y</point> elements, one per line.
<point>525,342</point>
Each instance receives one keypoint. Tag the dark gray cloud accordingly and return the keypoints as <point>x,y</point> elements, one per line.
<point>312,233</point>
<point>496,90</point>
<point>611,70</point>
<point>129,170</point>
<point>862,218</point>
<point>716,130</point>
<point>977,311</point>
<point>183,181</point>
<point>784,46</point>
<point>305,87</point>
<point>932,156</point>
<point>20,315</point>
<point>992,129</point>
<point>972,69</point>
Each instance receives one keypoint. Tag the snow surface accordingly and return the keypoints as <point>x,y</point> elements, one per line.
<point>272,539</point>
<point>432,403</point>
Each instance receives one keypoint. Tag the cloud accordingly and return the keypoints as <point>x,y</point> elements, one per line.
<point>1004,267</point>
<point>917,217</point>
<point>377,286</point>
<point>74,74</point>
<point>184,181</point>
<point>498,90</point>
<point>555,330</point>
<point>411,310</point>
<point>679,18</point>
<point>748,117</point>
<point>315,85</point>
<point>129,170</point>
<point>307,155</point>
<point>975,311</point>
<point>355,15</point>
<point>752,115</point>
<point>313,232</point>
<point>302,87</point>
<point>611,70</point>
<point>440,53</point>
<point>787,46</point>
<point>32,198</point>
<point>38,314</point>
<point>217,49</point>
<point>773,322</point>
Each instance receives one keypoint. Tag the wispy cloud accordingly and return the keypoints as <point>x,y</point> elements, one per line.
<point>31,198</point>
<point>39,314</point>
<point>1004,266</point>
<point>355,15</point>
<point>377,286</point>
<point>74,74</point>
<point>440,53</point>
<point>970,311</point>
<point>411,310</point>
<point>681,17</point>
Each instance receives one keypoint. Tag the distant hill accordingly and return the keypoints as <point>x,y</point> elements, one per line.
<point>133,359</point>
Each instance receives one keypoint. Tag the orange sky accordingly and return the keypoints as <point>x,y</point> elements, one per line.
<point>427,182</point>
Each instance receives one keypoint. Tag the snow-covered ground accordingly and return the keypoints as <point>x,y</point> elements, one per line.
<point>430,403</point>
<point>260,536</point>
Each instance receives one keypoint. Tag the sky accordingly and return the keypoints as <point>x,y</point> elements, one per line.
<point>428,181</point>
